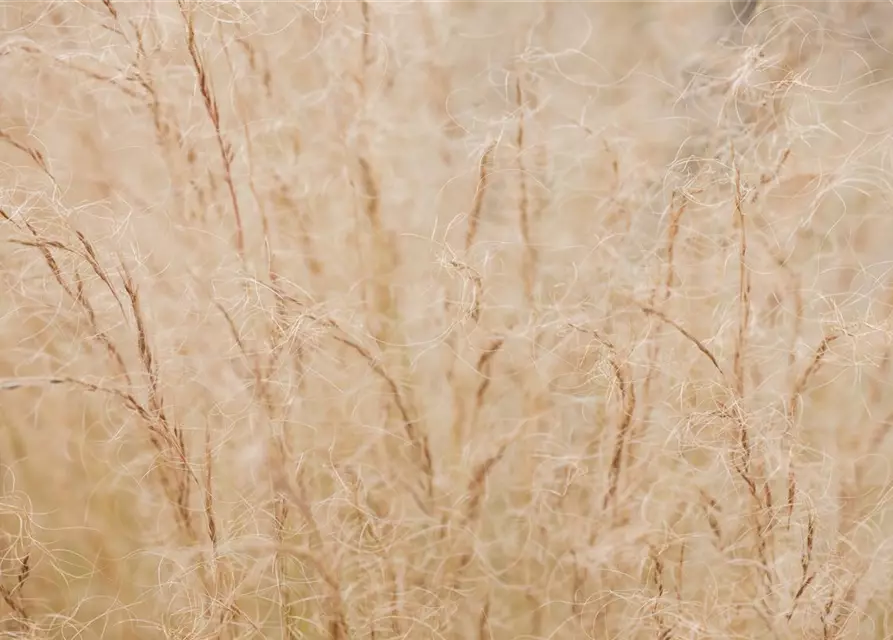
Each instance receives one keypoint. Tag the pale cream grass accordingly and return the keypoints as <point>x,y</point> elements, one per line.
<point>445,320</point>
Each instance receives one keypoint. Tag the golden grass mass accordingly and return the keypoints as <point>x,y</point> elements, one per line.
<point>366,319</point>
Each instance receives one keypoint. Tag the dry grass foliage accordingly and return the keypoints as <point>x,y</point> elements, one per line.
<point>452,320</point>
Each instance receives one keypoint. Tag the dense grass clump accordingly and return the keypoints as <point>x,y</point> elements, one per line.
<point>446,320</point>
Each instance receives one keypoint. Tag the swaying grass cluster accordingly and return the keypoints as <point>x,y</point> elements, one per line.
<point>445,320</point>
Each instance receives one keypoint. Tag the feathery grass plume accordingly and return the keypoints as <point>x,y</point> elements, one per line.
<point>474,217</point>
<point>528,261</point>
<point>209,99</point>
